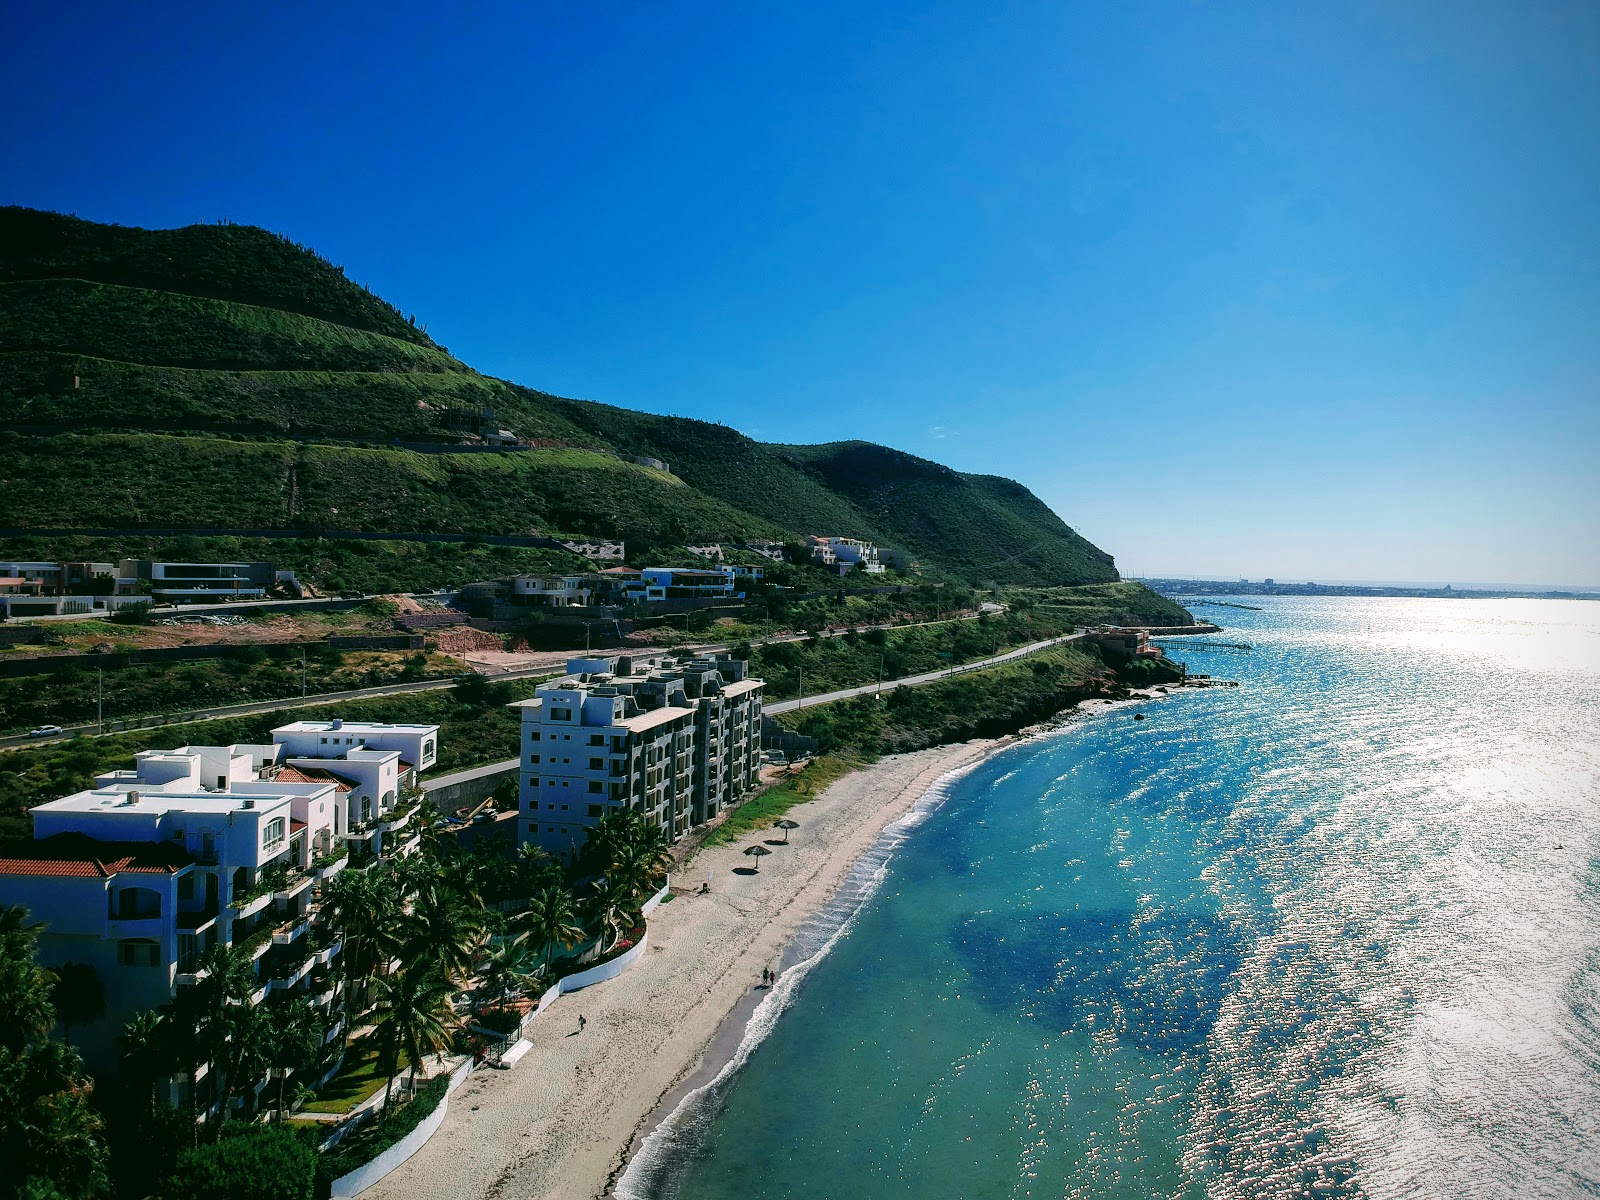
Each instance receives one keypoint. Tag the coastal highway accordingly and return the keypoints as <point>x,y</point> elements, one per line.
<point>889,685</point>
<point>783,706</point>
<point>552,666</point>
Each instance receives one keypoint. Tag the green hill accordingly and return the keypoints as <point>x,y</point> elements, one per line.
<point>224,377</point>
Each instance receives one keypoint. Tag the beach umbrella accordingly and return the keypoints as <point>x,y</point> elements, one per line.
<point>756,852</point>
<point>785,824</point>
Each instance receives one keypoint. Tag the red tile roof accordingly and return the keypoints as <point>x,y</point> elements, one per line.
<point>316,775</point>
<point>74,854</point>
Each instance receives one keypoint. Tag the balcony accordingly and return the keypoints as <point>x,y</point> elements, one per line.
<point>194,920</point>
<point>394,821</point>
<point>252,902</point>
<point>298,880</point>
<point>334,1031</point>
<point>291,930</point>
<point>137,927</point>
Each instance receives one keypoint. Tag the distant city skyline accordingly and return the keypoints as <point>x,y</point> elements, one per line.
<point>1263,284</point>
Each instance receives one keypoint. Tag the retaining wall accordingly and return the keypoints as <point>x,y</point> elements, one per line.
<point>362,1178</point>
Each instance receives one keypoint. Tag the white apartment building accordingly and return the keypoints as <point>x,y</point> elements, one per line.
<point>844,554</point>
<point>139,876</point>
<point>375,766</point>
<point>677,743</point>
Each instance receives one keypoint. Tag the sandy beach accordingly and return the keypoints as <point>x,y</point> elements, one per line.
<point>560,1123</point>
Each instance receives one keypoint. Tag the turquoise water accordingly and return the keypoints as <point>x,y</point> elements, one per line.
<point>1333,933</point>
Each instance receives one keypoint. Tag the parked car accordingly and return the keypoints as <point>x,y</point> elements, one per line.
<point>46,731</point>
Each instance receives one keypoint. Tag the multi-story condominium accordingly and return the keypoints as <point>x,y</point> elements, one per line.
<point>204,846</point>
<point>375,766</point>
<point>677,744</point>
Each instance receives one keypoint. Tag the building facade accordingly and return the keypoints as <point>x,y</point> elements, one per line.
<point>676,743</point>
<point>205,846</point>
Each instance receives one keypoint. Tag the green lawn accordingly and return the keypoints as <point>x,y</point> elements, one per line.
<point>357,1080</point>
<point>762,810</point>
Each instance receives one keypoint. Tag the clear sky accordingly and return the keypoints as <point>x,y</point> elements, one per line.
<point>1287,289</point>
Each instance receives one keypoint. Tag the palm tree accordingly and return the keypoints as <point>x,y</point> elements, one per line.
<point>507,970</point>
<point>293,1035</point>
<point>228,1033</point>
<point>365,907</point>
<point>143,1053</point>
<point>414,1020</point>
<point>445,932</point>
<point>550,919</point>
<point>610,907</point>
<point>641,864</point>
<point>78,996</point>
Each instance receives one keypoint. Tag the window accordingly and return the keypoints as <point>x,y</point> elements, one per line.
<point>561,714</point>
<point>138,953</point>
<point>534,781</point>
<point>324,741</point>
<point>594,810</point>
<point>533,759</point>
<point>563,808</point>
<point>597,786</point>
<point>272,834</point>
<point>597,739</point>
<point>597,764</point>
<point>534,736</point>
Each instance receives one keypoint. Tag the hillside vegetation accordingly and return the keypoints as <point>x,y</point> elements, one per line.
<point>224,377</point>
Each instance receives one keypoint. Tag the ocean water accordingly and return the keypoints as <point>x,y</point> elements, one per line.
<point>1333,933</point>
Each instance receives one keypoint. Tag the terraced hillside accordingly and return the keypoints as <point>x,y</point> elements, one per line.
<point>224,377</point>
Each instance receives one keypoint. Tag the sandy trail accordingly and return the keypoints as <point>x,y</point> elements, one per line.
<point>560,1123</point>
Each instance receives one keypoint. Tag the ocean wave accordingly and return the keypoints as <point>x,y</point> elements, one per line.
<point>655,1170</point>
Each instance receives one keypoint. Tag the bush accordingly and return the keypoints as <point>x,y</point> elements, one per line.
<point>253,1162</point>
<point>132,614</point>
<point>365,1146</point>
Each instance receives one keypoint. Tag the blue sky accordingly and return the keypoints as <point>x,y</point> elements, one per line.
<point>1296,290</point>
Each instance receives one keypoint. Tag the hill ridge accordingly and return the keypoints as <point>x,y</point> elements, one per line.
<point>199,382</point>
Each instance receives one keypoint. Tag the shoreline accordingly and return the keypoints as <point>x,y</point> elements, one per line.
<point>562,1123</point>
<point>568,1120</point>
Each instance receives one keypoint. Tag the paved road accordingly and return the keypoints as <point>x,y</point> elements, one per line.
<point>783,706</point>
<point>430,685</point>
<point>888,685</point>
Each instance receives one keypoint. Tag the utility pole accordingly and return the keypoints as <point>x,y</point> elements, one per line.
<point>302,672</point>
<point>880,674</point>
<point>802,700</point>
<point>100,701</point>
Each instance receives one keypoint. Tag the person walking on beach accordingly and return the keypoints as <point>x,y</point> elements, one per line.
<point>582,1021</point>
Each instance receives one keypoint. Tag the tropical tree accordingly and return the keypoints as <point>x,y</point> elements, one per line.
<point>294,1033</point>
<point>229,1026</point>
<point>414,1020</point>
<point>509,968</point>
<point>641,864</point>
<point>610,906</point>
<point>550,918</point>
<point>366,907</point>
<point>143,1055</point>
<point>445,931</point>
<point>78,996</point>
<point>51,1138</point>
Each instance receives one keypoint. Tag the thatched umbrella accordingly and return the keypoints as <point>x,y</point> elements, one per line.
<point>785,824</point>
<point>756,852</point>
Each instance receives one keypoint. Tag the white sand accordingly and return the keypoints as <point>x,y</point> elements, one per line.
<point>560,1122</point>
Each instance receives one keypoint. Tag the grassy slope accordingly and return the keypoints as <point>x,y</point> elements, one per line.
<point>232,329</point>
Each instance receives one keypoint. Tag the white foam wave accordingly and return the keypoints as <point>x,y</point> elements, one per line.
<point>653,1172</point>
